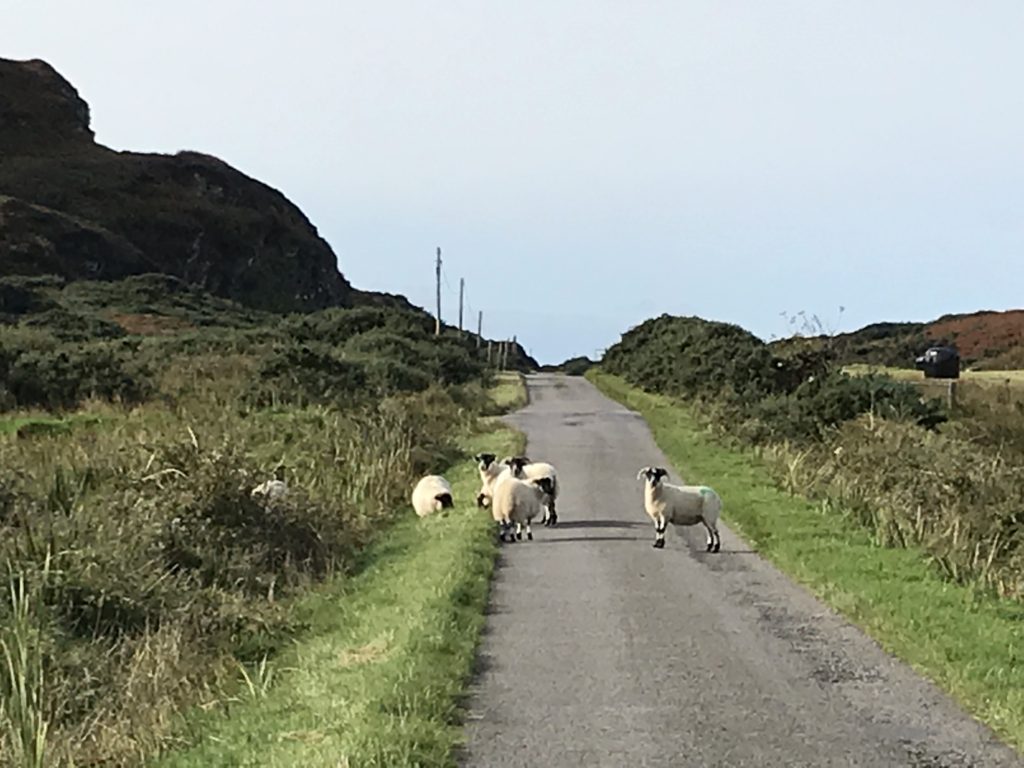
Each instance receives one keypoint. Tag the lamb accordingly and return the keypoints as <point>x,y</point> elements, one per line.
<point>680,505</point>
<point>517,502</point>
<point>432,494</point>
<point>524,469</point>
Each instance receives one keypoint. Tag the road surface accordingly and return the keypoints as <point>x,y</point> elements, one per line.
<point>602,651</point>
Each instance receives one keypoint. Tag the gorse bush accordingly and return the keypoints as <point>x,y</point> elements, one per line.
<point>796,396</point>
<point>688,356</point>
<point>56,375</point>
<point>821,404</point>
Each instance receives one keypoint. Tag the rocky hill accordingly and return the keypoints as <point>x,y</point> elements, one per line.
<point>74,208</point>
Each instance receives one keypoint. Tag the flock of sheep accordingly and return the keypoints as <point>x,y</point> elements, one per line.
<point>519,491</point>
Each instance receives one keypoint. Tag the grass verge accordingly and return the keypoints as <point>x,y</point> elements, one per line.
<point>970,644</point>
<point>377,677</point>
<point>508,392</point>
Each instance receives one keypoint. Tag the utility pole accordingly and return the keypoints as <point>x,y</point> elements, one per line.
<point>462,290</point>
<point>437,324</point>
<point>479,327</point>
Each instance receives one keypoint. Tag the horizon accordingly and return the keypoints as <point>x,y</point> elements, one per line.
<point>732,164</point>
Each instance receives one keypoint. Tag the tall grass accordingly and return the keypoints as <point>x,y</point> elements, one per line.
<point>165,575</point>
<point>23,699</point>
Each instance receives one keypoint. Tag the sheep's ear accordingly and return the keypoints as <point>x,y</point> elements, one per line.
<point>642,473</point>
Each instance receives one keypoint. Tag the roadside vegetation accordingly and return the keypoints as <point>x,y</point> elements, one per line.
<point>135,420</point>
<point>903,513</point>
<point>377,677</point>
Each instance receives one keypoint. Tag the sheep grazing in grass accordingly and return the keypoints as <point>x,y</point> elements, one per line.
<point>270,490</point>
<point>516,503</point>
<point>524,469</point>
<point>432,494</point>
<point>680,505</point>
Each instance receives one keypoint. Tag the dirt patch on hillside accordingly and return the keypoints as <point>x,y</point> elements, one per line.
<point>152,325</point>
<point>981,334</point>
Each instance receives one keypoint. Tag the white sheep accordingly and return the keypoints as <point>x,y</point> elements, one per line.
<point>431,494</point>
<point>516,503</point>
<point>490,470</point>
<point>271,490</point>
<point>680,505</point>
<point>524,469</point>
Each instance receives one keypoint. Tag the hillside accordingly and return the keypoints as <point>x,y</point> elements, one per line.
<point>986,340</point>
<point>74,208</point>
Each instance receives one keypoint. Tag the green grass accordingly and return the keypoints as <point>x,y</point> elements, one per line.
<point>970,644</point>
<point>377,678</point>
<point>508,392</point>
<point>1014,378</point>
<point>42,425</point>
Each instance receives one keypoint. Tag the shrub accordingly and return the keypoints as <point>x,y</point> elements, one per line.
<point>60,377</point>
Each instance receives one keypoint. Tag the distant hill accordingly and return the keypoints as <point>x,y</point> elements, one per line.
<point>985,340</point>
<point>73,208</point>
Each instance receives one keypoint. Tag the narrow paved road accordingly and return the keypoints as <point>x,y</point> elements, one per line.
<point>601,651</point>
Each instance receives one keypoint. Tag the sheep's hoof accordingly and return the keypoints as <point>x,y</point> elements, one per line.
<point>529,536</point>
<point>718,546</point>
<point>552,519</point>
<point>659,544</point>
<point>519,535</point>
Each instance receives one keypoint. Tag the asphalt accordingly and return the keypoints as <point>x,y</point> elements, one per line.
<point>602,651</point>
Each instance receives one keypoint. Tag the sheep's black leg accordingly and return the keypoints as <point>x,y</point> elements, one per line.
<point>552,518</point>
<point>714,540</point>
<point>529,532</point>
<point>659,534</point>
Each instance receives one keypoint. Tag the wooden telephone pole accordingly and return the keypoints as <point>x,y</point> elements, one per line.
<point>462,290</point>
<point>479,327</point>
<point>437,323</point>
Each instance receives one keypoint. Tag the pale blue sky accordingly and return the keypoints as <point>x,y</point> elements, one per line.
<point>587,164</point>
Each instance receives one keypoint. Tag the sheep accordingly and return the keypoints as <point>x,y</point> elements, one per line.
<point>524,469</point>
<point>490,470</point>
<point>680,505</point>
<point>516,502</point>
<point>431,494</point>
<point>271,490</point>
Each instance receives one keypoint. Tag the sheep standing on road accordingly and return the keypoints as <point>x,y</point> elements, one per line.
<point>516,503</point>
<point>680,505</point>
<point>524,469</point>
<point>432,494</point>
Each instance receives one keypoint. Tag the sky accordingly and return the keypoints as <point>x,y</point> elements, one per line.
<point>587,164</point>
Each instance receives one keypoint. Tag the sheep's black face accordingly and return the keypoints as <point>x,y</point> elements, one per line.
<point>654,475</point>
<point>544,483</point>
<point>485,459</point>
<point>516,464</point>
<point>446,500</point>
